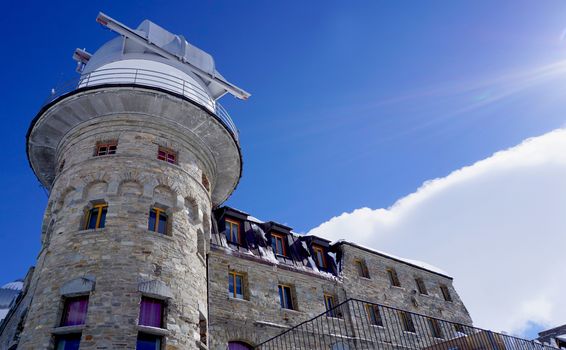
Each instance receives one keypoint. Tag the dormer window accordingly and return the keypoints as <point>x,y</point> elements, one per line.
<point>278,244</point>
<point>167,155</point>
<point>319,256</point>
<point>232,231</point>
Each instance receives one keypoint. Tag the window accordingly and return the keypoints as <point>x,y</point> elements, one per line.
<point>236,285</point>
<point>157,220</point>
<point>393,278</point>
<point>374,316</point>
<point>151,312</point>
<point>96,217</point>
<point>232,231</point>
<point>445,293</point>
<point>361,268</point>
<point>167,155</point>
<point>278,244</point>
<point>238,345</point>
<point>74,311</point>
<point>148,342</point>
<point>435,328</point>
<point>319,256</point>
<point>330,305</point>
<point>285,297</point>
<point>458,328</point>
<point>68,341</point>
<point>407,322</point>
<point>421,286</point>
<point>105,148</point>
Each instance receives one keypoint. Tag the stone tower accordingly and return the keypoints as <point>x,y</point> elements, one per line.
<point>135,154</point>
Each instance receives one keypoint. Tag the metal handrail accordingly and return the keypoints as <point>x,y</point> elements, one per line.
<point>147,77</point>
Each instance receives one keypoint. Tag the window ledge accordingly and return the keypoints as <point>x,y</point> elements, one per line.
<point>68,329</point>
<point>336,318</point>
<point>291,311</point>
<point>238,299</point>
<point>397,287</point>
<point>377,326</point>
<point>364,278</point>
<point>153,330</point>
<point>157,234</point>
<point>92,230</point>
<point>409,332</point>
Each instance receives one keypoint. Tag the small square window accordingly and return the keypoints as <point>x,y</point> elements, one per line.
<point>157,220</point>
<point>278,244</point>
<point>105,148</point>
<point>167,155</point>
<point>445,292</point>
<point>421,286</point>
<point>393,278</point>
<point>232,231</point>
<point>74,311</point>
<point>361,267</point>
<point>374,315</point>
<point>286,297</point>
<point>68,341</point>
<point>148,342</point>
<point>96,217</point>
<point>319,256</point>
<point>151,312</point>
<point>236,285</point>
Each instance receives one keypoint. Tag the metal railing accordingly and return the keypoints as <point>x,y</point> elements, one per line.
<point>151,78</point>
<point>357,324</point>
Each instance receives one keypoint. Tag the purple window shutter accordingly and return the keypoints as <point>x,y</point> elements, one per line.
<point>151,312</point>
<point>236,345</point>
<point>75,311</point>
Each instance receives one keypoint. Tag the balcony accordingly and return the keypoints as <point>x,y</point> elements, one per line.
<point>148,78</point>
<point>366,325</point>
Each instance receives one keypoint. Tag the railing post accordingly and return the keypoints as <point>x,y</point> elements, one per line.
<point>135,76</point>
<point>183,87</point>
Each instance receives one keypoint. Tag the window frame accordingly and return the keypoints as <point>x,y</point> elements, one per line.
<point>421,286</point>
<point>445,293</point>
<point>393,277</point>
<point>66,337</point>
<point>233,275</point>
<point>435,328</point>
<point>228,222</point>
<point>372,309</point>
<point>88,216</point>
<point>108,144</point>
<point>282,297</point>
<point>282,237</point>
<point>159,338</point>
<point>363,269</point>
<point>158,212</point>
<point>318,249</point>
<point>64,321</point>
<point>167,153</point>
<point>407,322</point>
<point>162,313</point>
<point>331,308</point>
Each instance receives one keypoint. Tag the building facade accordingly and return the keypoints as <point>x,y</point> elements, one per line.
<point>138,156</point>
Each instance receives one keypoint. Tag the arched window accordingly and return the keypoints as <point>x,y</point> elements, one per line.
<point>96,216</point>
<point>238,345</point>
<point>157,220</point>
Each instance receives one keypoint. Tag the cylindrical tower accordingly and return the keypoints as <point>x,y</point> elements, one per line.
<point>135,154</point>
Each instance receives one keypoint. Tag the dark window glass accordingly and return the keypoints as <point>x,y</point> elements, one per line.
<point>74,311</point>
<point>458,328</point>
<point>421,286</point>
<point>148,342</point>
<point>435,328</point>
<point>407,322</point>
<point>393,278</point>
<point>374,315</point>
<point>362,269</point>
<point>330,304</point>
<point>68,342</point>
<point>445,293</point>
<point>151,312</point>
<point>285,297</point>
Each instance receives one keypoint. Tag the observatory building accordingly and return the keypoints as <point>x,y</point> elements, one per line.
<point>137,251</point>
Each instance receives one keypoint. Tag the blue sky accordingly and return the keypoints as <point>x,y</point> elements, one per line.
<point>353,104</point>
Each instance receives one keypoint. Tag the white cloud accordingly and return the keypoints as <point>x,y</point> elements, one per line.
<point>498,226</point>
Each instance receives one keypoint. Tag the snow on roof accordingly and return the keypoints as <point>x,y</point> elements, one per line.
<point>561,337</point>
<point>422,265</point>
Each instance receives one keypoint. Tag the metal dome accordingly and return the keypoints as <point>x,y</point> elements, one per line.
<point>9,292</point>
